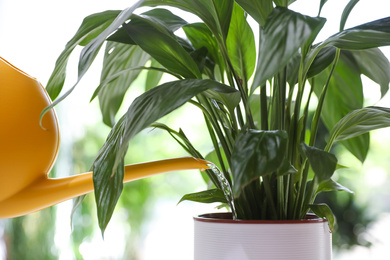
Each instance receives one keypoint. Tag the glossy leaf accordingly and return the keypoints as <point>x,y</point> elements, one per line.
<point>323,163</point>
<point>255,154</point>
<point>345,93</point>
<point>90,51</point>
<point>284,33</point>
<point>323,211</point>
<point>331,185</point>
<point>230,99</point>
<point>108,176</point>
<point>347,10</point>
<point>166,18</point>
<point>322,3</point>
<point>90,27</point>
<point>259,10</point>
<point>207,196</point>
<point>118,58</point>
<point>163,47</point>
<point>374,64</point>
<point>145,110</point>
<point>241,44</point>
<point>323,59</point>
<point>201,37</point>
<point>360,121</point>
<point>286,168</point>
<point>214,13</point>
<point>370,35</point>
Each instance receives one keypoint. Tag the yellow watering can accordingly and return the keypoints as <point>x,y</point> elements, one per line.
<point>28,151</point>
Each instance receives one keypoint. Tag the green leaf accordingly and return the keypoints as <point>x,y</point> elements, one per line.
<point>375,65</point>
<point>323,163</point>
<point>323,211</point>
<point>201,37</point>
<point>118,58</point>
<point>324,58</point>
<point>259,10</point>
<point>90,27</point>
<point>331,185</point>
<point>284,33</point>
<point>256,153</point>
<point>207,196</point>
<point>241,44</point>
<point>108,175</point>
<point>370,35</point>
<point>360,121</point>
<point>146,109</point>
<point>89,53</point>
<point>344,94</point>
<point>163,47</point>
<point>322,3</point>
<point>166,19</point>
<point>347,10</point>
<point>214,13</point>
<point>230,98</point>
<point>286,168</point>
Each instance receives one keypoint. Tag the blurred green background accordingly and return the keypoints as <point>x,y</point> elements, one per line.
<point>147,223</point>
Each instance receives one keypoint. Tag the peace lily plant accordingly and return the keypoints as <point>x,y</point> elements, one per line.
<point>263,98</point>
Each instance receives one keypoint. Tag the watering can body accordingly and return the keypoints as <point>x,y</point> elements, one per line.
<point>28,150</point>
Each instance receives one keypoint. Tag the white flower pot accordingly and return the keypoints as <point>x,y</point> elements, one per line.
<point>218,237</point>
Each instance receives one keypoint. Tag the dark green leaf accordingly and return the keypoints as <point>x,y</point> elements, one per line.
<point>256,153</point>
<point>201,37</point>
<point>323,59</point>
<point>286,168</point>
<point>163,47</point>
<point>344,94</point>
<point>331,185</point>
<point>323,163</point>
<point>207,196</point>
<point>360,121</point>
<point>241,44</point>
<point>284,33</point>
<point>214,13</point>
<point>323,211</point>
<point>118,58</point>
<point>322,3</point>
<point>347,10</point>
<point>166,19</point>
<point>108,175</point>
<point>89,53</point>
<point>230,99</point>
<point>259,10</point>
<point>293,70</point>
<point>151,106</point>
<point>370,35</point>
<point>375,65</point>
<point>89,29</point>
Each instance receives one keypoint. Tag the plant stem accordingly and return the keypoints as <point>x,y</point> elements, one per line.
<point>270,198</point>
<point>316,118</point>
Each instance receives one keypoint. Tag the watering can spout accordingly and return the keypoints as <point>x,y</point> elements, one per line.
<point>28,151</point>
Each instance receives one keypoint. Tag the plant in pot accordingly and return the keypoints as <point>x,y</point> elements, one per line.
<point>263,97</point>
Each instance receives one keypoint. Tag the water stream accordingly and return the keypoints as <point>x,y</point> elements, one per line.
<point>226,188</point>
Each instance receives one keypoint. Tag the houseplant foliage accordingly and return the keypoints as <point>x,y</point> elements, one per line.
<point>256,94</point>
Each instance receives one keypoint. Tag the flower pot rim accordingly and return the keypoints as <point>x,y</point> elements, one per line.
<point>226,217</point>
